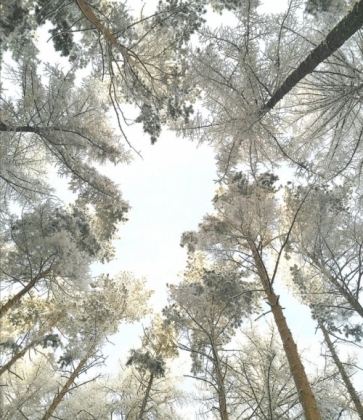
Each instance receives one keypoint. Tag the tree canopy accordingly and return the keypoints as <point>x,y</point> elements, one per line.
<point>278,97</point>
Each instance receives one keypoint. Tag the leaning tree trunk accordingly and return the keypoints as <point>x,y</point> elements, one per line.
<point>347,27</point>
<point>298,373</point>
<point>18,356</point>
<point>11,302</point>
<point>146,397</point>
<point>350,388</point>
<point>58,398</point>
<point>89,14</point>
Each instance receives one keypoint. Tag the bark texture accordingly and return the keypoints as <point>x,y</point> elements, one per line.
<point>347,27</point>
<point>298,373</point>
<point>350,387</point>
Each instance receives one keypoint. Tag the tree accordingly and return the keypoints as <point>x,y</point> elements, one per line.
<point>49,246</point>
<point>262,61</point>
<point>150,362</point>
<point>246,231</point>
<point>206,307</point>
<point>260,382</point>
<point>89,318</point>
<point>327,241</point>
<point>139,57</point>
<point>126,392</point>
<point>53,122</point>
<point>29,325</point>
<point>342,370</point>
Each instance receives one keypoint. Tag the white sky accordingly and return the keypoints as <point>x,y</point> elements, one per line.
<point>169,191</point>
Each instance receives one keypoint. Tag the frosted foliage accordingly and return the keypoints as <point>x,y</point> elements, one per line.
<point>207,307</point>
<point>259,382</point>
<point>50,238</point>
<point>325,124</point>
<point>238,67</point>
<point>27,322</point>
<point>258,379</point>
<point>328,235</point>
<point>28,393</point>
<point>244,211</point>
<point>127,391</point>
<point>316,127</point>
<point>98,313</point>
<point>53,122</point>
<point>87,402</point>
<point>141,58</point>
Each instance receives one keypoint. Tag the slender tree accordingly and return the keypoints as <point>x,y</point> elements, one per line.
<point>259,61</point>
<point>345,377</point>
<point>244,230</point>
<point>206,308</point>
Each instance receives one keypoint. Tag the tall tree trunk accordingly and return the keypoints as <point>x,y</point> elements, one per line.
<point>11,302</point>
<point>347,27</point>
<point>58,398</point>
<point>146,397</point>
<point>221,391</point>
<point>351,390</point>
<point>298,373</point>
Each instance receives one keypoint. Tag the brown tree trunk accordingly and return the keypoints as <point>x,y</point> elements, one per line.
<point>11,302</point>
<point>347,27</point>
<point>351,390</point>
<point>146,397</point>
<point>89,14</point>
<point>65,388</point>
<point>298,373</point>
<point>18,356</point>
<point>220,381</point>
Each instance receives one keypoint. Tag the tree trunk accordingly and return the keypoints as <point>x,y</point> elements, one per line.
<point>221,392</point>
<point>18,356</point>
<point>88,12</point>
<point>347,27</point>
<point>351,390</point>
<point>65,388</point>
<point>146,397</point>
<point>298,373</point>
<point>11,302</point>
